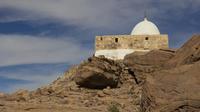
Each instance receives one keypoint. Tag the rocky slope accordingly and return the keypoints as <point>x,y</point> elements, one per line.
<point>101,85</point>
<point>158,81</point>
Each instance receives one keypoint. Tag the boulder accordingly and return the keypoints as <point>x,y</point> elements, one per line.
<point>98,73</point>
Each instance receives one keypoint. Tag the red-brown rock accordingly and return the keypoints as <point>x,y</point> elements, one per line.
<point>98,73</point>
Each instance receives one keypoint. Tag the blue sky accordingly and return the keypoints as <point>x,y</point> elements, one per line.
<point>40,39</point>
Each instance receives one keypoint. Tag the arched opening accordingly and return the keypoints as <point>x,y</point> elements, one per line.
<point>146,38</point>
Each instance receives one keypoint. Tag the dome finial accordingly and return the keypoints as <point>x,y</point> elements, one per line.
<point>145,14</point>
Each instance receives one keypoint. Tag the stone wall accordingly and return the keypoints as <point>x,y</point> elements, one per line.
<point>136,42</point>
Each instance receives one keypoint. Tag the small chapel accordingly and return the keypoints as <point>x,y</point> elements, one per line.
<point>144,37</point>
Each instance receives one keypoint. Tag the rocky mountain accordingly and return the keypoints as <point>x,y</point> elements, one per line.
<point>164,80</point>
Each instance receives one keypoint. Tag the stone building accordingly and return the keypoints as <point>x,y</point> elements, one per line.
<point>144,37</point>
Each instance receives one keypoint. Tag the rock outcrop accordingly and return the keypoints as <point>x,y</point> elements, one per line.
<point>154,58</point>
<point>141,64</point>
<point>175,88</point>
<point>189,53</point>
<point>98,73</point>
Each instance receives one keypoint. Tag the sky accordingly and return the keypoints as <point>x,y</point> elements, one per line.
<point>41,39</point>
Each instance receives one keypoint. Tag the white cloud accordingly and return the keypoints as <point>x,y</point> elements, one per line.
<point>34,80</point>
<point>95,13</point>
<point>88,13</point>
<point>23,49</point>
<point>8,19</point>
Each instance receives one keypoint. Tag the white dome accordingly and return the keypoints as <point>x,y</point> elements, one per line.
<point>145,28</point>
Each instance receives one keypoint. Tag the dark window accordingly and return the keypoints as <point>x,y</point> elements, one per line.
<point>146,38</point>
<point>116,40</point>
<point>101,38</point>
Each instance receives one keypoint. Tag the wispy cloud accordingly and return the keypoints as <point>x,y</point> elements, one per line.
<point>23,49</point>
<point>29,62</point>
<point>29,76</point>
<point>96,13</point>
<point>32,82</point>
<point>85,13</point>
